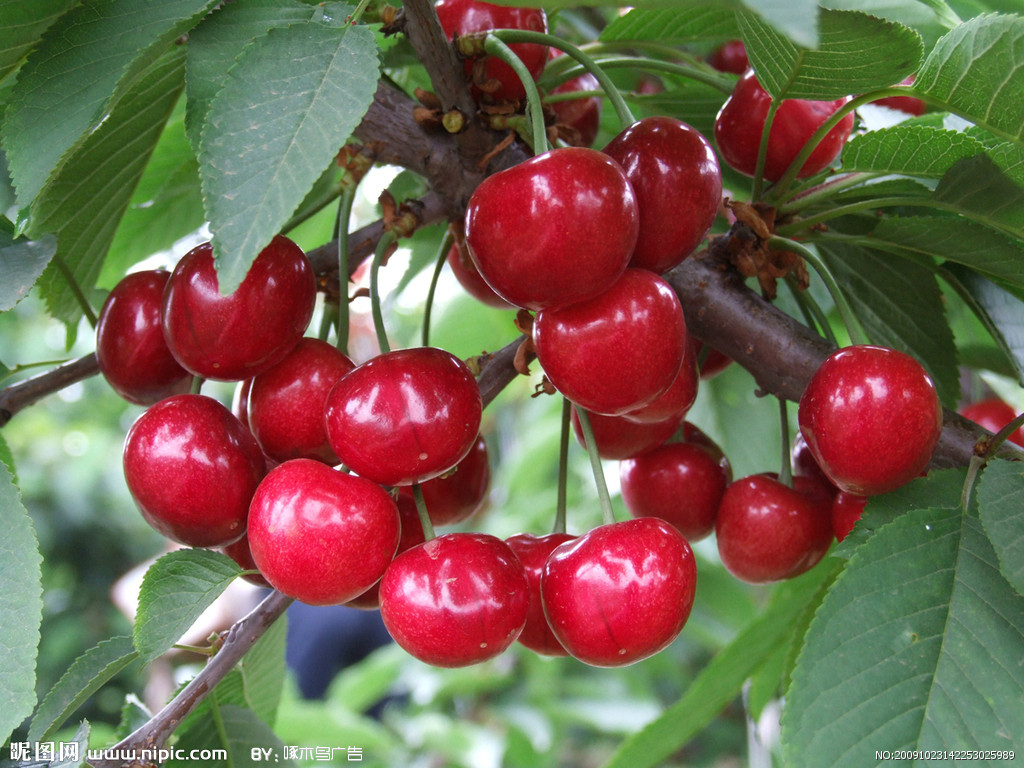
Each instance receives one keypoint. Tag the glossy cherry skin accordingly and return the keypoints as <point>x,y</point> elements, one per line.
<point>412,535</point>
<point>555,229</point>
<point>405,416</point>
<point>462,17</point>
<point>286,403</point>
<point>239,552</point>
<point>235,337</point>
<point>621,592</point>
<point>767,531</point>
<point>192,469</point>
<point>871,418</point>
<point>468,275</point>
<point>320,535</point>
<point>533,552</point>
<point>677,399</point>
<point>458,494</point>
<point>678,186</point>
<point>730,57</point>
<point>618,437</point>
<point>581,116</point>
<point>803,463</point>
<point>130,348</point>
<point>618,351</point>
<point>456,600</point>
<point>681,483</point>
<point>846,511</point>
<point>740,122</point>
<point>993,414</point>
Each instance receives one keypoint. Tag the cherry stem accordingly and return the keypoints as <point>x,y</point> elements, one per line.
<point>439,262</point>
<point>348,195</point>
<point>563,466</point>
<point>813,314</point>
<point>421,510</point>
<point>762,151</point>
<point>786,466</point>
<point>358,12</point>
<point>607,514</point>
<point>853,325</point>
<point>626,118</point>
<point>715,80</point>
<point>984,451</point>
<point>496,47</point>
<point>387,240</point>
<point>197,384</point>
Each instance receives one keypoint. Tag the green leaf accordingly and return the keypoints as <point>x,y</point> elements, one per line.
<point>1001,503</point>
<point>24,22</point>
<point>263,671</point>
<point>21,607</point>
<point>176,589</point>
<point>134,714</point>
<point>916,646</point>
<point>912,150</point>
<point>86,675</point>
<point>285,110</point>
<point>674,26</point>
<point>227,726</point>
<point>81,738</point>
<point>22,261</point>
<point>69,83</point>
<point>86,200</point>
<point>899,303</point>
<point>977,71</point>
<point>977,187</point>
<point>856,53</point>
<point>720,681</point>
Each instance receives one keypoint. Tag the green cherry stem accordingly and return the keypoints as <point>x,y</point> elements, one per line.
<point>197,384</point>
<point>348,194</point>
<point>439,262</point>
<point>497,47</point>
<point>983,451</point>
<point>607,515</point>
<point>387,240</point>
<point>762,152</point>
<point>813,314</point>
<point>786,466</point>
<point>716,81</point>
<point>563,466</point>
<point>421,510</point>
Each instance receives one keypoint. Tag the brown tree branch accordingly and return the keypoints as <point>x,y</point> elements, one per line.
<point>30,391</point>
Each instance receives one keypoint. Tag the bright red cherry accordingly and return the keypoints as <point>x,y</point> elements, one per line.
<point>463,17</point>
<point>804,463</point>
<point>618,437</point>
<point>533,552</point>
<point>582,117</point>
<point>456,600</point>
<point>405,416</point>
<point>740,122</point>
<point>678,186</point>
<point>730,57</point>
<point>457,494</point>
<point>846,511</point>
<point>767,531</point>
<point>871,418</point>
<point>192,469</point>
<point>239,552</point>
<point>235,337</point>
<point>909,104</point>
<point>468,275</point>
<point>412,535</point>
<point>555,229</point>
<point>621,592</point>
<point>130,347</point>
<point>993,414</point>
<point>618,351</point>
<point>286,403</point>
<point>320,535</point>
<point>677,399</point>
<point>681,483</point>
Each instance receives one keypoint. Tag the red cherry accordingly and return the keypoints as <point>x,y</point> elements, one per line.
<point>412,534</point>
<point>286,403</point>
<point>533,552</point>
<point>463,17</point>
<point>130,347</point>
<point>993,414</point>
<point>871,417</point>
<point>846,511</point>
<point>456,495</point>
<point>681,483</point>
<point>468,275</point>
<point>740,122</point>
<point>456,600</point>
<point>618,351</point>
<point>710,361</point>
<point>192,469</point>
<point>909,104</point>
<point>239,552</point>
<point>320,535</point>
<point>804,463</point>
<point>677,399</point>
<point>767,531</point>
<point>582,116</point>
<point>730,57</point>
<point>581,215</point>
<point>678,186</point>
<point>404,417</point>
<point>621,592</point>
<point>235,337</point>
<point>618,437</point>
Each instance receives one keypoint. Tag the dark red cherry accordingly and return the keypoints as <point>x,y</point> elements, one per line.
<point>621,592</point>
<point>677,399</point>
<point>462,17</point>
<point>239,552</point>
<point>286,403</point>
<point>730,57</point>
<point>555,229</point>
<point>412,534</point>
<point>618,437</point>
<point>741,120</point>
<point>909,104</point>
<point>468,275</point>
<point>456,600</point>
<point>405,416</point>
<point>993,414</point>
<point>582,116</point>
<point>767,531</point>
<point>235,337</point>
<point>846,511</point>
<point>618,351</point>
<point>457,494</point>
<point>192,469</point>
<point>678,186</point>
<point>804,463</point>
<point>533,552</point>
<point>320,535</point>
<point>130,347</point>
